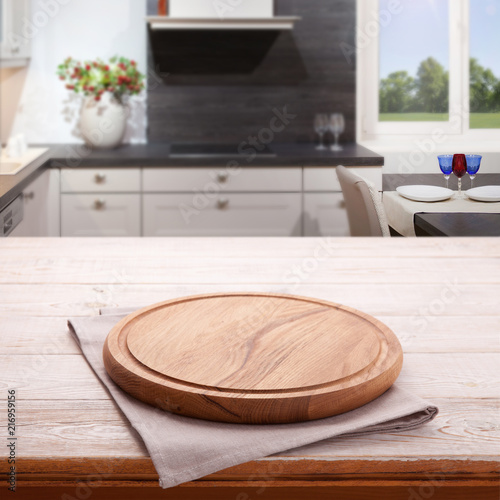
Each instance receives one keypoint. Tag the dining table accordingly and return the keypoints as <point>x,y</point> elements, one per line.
<point>440,297</point>
<point>458,216</point>
<point>457,224</point>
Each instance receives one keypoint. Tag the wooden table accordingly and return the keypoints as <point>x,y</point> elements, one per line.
<point>441,297</point>
<point>457,224</point>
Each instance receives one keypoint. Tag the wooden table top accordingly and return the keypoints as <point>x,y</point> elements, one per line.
<point>457,224</point>
<point>440,297</point>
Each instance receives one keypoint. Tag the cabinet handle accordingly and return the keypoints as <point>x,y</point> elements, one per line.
<point>99,204</point>
<point>29,196</point>
<point>222,203</point>
<point>222,177</point>
<point>100,178</point>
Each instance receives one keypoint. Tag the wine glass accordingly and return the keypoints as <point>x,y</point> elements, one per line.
<point>321,127</point>
<point>446,166</point>
<point>459,169</point>
<point>337,126</point>
<point>473,164</point>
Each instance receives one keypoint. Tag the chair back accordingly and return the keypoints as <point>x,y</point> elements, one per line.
<point>364,207</point>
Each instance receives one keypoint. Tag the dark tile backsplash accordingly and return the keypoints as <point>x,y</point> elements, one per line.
<point>305,71</point>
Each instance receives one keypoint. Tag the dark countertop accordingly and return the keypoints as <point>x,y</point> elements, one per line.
<point>157,155</point>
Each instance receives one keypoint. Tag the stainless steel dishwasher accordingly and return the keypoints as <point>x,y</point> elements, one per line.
<point>11,216</point>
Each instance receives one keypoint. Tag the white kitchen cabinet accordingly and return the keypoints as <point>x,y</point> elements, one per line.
<point>101,202</point>
<point>209,180</point>
<point>325,215</point>
<point>41,207</point>
<point>230,214</point>
<point>100,214</point>
<point>325,178</point>
<point>16,29</point>
<point>100,180</point>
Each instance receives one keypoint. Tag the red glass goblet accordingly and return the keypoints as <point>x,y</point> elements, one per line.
<point>459,169</point>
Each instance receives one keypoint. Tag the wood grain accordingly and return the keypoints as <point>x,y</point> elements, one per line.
<point>429,375</point>
<point>252,358</point>
<point>465,429</point>
<point>49,335</point>
<point>341,269</point>
<point>421,302</point>
<point>71,430</point>
<point>47,251</point>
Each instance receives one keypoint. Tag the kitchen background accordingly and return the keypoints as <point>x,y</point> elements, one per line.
<point>305,69</point>
<point>209,87</point>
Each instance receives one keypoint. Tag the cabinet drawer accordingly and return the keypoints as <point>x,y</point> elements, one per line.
<point>325,215</point>
<point>100,215</point>
<point>211,180</point>
<point>325,179</point>
<point>100,180</point>
<point>225,215</point>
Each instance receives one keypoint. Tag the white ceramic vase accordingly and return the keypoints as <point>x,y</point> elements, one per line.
<point>103,122</point>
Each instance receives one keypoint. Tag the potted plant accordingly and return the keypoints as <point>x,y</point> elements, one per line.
<point>106,87</point>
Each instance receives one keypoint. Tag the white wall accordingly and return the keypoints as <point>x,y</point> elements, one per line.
<point>83,29</point>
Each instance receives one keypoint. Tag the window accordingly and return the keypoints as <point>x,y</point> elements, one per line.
<point>414,63</point>
<point>424,64</point>
<point>484,70</point>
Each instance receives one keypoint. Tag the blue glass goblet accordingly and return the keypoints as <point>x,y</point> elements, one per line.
<point>473,164</point>
<point>446,166</point>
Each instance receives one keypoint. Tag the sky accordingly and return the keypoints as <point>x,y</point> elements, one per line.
<point>485,33</point>
<point>421,30</point>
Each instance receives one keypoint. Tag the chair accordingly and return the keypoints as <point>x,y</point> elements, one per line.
<point>365,210</point>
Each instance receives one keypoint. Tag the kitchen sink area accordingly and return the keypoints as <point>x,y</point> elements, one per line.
<point>14,165</point>
<point>10,168</point>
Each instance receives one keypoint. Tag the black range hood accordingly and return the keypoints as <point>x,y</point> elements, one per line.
<point>212,46</point>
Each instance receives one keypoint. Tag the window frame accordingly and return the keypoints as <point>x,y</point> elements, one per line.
<point>369,128</point>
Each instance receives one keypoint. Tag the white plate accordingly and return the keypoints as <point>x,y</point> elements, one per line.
<point>484,193</point>
<point>425,193</point>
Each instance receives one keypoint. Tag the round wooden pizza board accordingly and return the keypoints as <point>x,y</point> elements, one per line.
<point>252,357</point>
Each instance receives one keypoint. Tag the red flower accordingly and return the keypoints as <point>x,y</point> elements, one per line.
<point>91,88</point>
<point>106,68</point>
<point>62,78</point>
<point>70,87</point>
<point>87,67</point>
<point>133,63</point>
<point>97,98</point>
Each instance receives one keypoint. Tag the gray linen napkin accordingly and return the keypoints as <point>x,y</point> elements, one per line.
<point>184,448</point>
